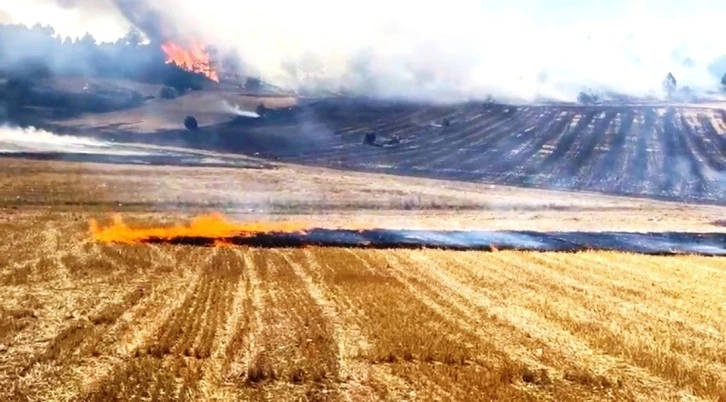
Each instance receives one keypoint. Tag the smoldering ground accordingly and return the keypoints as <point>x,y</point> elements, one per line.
<point>670,243</point>
<point>467,49</point>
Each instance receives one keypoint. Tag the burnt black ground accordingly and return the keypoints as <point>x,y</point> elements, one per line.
<point>665,152</point>
<point>659,152</point>
<point>168,159</point>
<point>660,243</point>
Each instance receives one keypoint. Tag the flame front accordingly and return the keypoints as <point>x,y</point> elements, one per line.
<point>209,226</point>
<point>195,59</point>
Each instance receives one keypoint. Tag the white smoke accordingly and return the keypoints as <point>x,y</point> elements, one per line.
<point>31,139</point>
<point>235,109</point>
<point>69,18</point>
<point>463,48</point>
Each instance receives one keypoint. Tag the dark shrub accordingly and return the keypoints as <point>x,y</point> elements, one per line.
<point>182,80</point>
<point>370,138</point>
<point>253,84</point>
<point>190,123</point>
<point>168,93</point>
<point>587,99</point>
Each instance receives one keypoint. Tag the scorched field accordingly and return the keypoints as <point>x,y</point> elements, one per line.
<point>84,320</point>
<point>648,151</point>
<point>666,152</point>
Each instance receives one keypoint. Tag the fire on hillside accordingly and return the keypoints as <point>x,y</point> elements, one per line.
<point>193,58</point>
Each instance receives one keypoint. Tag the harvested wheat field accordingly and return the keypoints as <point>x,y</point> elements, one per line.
<point>102,322</point>
<point>82,320</point>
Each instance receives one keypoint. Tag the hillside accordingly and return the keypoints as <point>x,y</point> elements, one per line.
<point>665,152</point>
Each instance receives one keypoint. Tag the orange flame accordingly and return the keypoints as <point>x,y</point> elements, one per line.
<point>211,226</point>
<point>195,59</point>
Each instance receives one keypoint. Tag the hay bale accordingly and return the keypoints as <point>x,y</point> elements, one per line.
<point>370,138</point>
<point>191,123</point>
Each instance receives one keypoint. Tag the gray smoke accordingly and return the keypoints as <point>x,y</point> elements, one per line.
<point>31,139</point>
<point>155,23</point>
<point>466,49</point>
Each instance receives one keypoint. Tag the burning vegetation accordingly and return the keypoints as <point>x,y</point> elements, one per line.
<point>90,322</point>
<point>30,55</point>
<point>213,226</point>
<point>215,230</point>
<point>38,52</point>
<point>194,58</point>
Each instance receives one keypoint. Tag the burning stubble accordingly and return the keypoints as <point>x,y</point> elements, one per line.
<point>207,226</point>
<point>215,230</point>
<point>335,324</point>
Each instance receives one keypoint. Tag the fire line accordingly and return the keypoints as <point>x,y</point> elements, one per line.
<point>215,231</point>
<point>213,226</point>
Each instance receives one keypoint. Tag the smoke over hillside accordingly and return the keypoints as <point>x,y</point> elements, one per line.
<point>452,50</point>
<point>38,52</point>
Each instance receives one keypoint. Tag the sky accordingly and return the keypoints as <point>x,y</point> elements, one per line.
<point>67,22</point>
<point>437,48</point>
<point>618,15</point>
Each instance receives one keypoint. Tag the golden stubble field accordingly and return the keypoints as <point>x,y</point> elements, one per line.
<point>84,321</point>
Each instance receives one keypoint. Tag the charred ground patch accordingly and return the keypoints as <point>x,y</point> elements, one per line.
<point>660,152</point>
<point>656,243</point>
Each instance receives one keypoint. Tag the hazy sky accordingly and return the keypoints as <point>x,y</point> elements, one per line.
<point>73,22</point>
<point>467,46</point>
<point>544,13</point>
<point>616,15</point>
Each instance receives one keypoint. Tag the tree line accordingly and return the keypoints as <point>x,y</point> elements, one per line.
<point>38,52</point>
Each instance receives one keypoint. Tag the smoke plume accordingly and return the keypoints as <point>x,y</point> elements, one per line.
<point>32,136</point>
<point>234,109</point>
<point>460,49</point>
<point>33,140</point>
